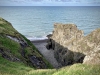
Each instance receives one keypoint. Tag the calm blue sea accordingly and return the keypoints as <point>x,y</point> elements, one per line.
<point>37,22</point>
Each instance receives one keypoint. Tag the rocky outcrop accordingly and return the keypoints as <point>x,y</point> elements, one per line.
<point>7,55</point>
<point>92,47</point>
<point>16,48</point>
<point>71,46</point>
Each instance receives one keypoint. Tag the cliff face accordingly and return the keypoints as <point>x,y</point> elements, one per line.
<point>71,46</point>
<point>16,48</point>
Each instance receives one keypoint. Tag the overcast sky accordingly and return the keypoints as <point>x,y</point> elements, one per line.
<point>49,2</point>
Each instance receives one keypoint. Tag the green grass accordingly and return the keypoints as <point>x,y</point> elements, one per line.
<point>13,48</point>
<point>8,44</point>
<point>12,68</point>
<point>20,68</point>
<point>79,69</point>
<point>36,52</point>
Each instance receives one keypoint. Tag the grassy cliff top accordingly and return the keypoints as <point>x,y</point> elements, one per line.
<point>7,29</point>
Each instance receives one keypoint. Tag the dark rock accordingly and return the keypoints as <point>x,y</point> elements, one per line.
<point>70,46</point>
<point>7,55</point>
<point>37,62</point>
<point>21,41</point>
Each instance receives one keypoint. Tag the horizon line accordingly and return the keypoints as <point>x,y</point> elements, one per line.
<point>59,5</point>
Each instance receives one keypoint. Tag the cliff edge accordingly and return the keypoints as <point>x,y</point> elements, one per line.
<point>71,46</point>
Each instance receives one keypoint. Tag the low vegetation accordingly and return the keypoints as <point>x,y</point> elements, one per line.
<point>13,68</point>
<point>12,48</point>
<point>17,48</point>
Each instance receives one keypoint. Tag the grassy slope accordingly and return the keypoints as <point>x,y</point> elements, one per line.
<point>13,48</point>
<point>76,69</point>
<point>12,68</point>
<point>19,68</point>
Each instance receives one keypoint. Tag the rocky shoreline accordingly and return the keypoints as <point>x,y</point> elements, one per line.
<point>71,46</point>
<point>66,46</point>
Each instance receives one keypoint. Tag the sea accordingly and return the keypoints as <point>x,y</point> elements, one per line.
<point>36,22</point>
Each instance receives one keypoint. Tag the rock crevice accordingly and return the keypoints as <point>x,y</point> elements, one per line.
<point>71,46</point>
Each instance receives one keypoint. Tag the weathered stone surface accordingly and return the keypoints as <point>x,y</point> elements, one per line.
<point>92,58</point>
<point>21,41</point>
<point>92,48</point>
<point>71,46</point>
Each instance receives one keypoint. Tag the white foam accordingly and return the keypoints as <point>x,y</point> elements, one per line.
<point>50,32</point>
<point>36,38</point>
<point>32,38</point>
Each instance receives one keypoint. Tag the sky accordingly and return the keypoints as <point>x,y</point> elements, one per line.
<point>49,2</point>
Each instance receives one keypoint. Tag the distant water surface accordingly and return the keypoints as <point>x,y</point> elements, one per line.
<point>37,22</point>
